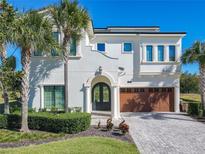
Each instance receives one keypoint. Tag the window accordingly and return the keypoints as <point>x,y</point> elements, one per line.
<point>55,37</point>
<point>127,47</point>
<point>171,53</point>
<point>73,45</point>
<point>160,53</point>
<point>54,97</point>
<point>101,47</point>
<point>149,53</point>
<point>38,53</point>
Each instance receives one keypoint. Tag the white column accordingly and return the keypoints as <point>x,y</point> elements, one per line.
<point>41,96</point>
<point>144,55</point>
<point>114,107</point>
<point>155,55</point>
<point>176,98</point>
<point>178,52</point>
<point>87,99</point>
<point>166,53</point>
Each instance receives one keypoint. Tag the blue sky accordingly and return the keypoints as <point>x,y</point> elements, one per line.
<point>170,15</point>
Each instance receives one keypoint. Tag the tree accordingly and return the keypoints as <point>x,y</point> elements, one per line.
<point>189,83</point>
<point>7,20</point>
<point>34,33</point>
<point>70,19</point>
<point>9,77</point>
<point>196,54</point>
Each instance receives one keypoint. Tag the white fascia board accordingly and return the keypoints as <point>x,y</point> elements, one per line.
<point>163,35</point>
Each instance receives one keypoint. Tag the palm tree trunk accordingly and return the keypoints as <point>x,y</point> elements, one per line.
<point>202,84</point>
<point>4,88</point>
<point>66,85</point>
<point>25,61</point>
<point>66,48</point>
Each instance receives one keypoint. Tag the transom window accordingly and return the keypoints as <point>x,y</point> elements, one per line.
<point>149,52</point>
<point>171,53</point>
<point>127,47</point>
<point>101,47</point>
<point>54,97</point>
<point>160,53</point>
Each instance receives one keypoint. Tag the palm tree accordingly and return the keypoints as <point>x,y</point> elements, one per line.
<point>70,19</point>
<point>196,54</point>
<point>34,33</point>
<point>7,20</point>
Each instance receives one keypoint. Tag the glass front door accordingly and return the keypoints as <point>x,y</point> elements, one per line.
<point>101,100</point>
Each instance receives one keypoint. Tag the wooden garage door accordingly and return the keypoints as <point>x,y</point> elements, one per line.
<point>147,99</point>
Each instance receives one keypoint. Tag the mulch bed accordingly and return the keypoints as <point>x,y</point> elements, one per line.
<point>92,131</point>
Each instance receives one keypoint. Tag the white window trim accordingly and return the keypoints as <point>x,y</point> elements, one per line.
<point>127,52</point>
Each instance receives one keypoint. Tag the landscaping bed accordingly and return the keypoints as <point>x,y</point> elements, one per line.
<point>92,131</point>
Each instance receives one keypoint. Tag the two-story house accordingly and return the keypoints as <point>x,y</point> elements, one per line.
<point>112,70</point>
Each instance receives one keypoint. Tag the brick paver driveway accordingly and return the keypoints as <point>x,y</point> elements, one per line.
<point>163,133</point>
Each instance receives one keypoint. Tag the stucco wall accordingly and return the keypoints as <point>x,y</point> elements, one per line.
<point>50,70</point>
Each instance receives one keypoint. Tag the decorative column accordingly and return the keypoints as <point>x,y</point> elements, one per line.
<point>41,97</point>
<point>176,98</point>
<point>166,53</point>
<point>155,55</point>
<point>144,56</point>
<point>87,99</point>
<point>114,106</point>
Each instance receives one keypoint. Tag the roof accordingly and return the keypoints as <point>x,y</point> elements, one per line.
<point>133,30</point>
<point>98,32</point>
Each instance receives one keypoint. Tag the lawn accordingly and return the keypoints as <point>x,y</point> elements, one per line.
<point>81,145</point>
<point>15,136</point>
<point>190,97</point>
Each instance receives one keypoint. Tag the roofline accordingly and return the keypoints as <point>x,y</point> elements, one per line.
<point>128,27</point>
<point>183,33</point>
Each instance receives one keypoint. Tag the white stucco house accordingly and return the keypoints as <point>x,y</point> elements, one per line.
<point>114,69</point>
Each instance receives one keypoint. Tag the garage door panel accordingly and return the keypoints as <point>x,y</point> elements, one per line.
<point>146,100</point>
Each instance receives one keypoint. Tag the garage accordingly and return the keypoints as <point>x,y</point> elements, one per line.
<point>146,99</point>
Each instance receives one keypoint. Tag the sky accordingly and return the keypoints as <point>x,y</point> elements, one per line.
<point>171,15</point>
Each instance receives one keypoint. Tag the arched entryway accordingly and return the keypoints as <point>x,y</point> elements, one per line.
<point>101,97</point>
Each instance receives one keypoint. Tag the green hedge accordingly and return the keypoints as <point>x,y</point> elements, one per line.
<point>3,121</point>
<point>64,122</point>
<point>195,109</point>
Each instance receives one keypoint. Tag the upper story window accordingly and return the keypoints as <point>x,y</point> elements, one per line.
<point>127,48</point>
<point>172,53</point>
<point>101,47</point>
<point>160,53</point>
<point>38,53</point>
<point>54,52</point>
<point>149,52</point>
<point>73,47</point>
<point>56,36</point>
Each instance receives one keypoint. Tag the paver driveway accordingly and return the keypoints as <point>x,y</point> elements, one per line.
<point>163,133</point>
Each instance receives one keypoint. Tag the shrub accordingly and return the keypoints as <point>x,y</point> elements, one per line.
<point>3,121</point>
<point>13,106</point>
<point>194,108</point>
<point>64,122</point>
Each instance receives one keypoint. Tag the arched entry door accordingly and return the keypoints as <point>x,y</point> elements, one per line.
<point>101,100</point>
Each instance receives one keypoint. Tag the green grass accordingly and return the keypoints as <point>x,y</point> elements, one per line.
<point>81,145</point>
<point>191,97</point>
<point>14,136</point>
